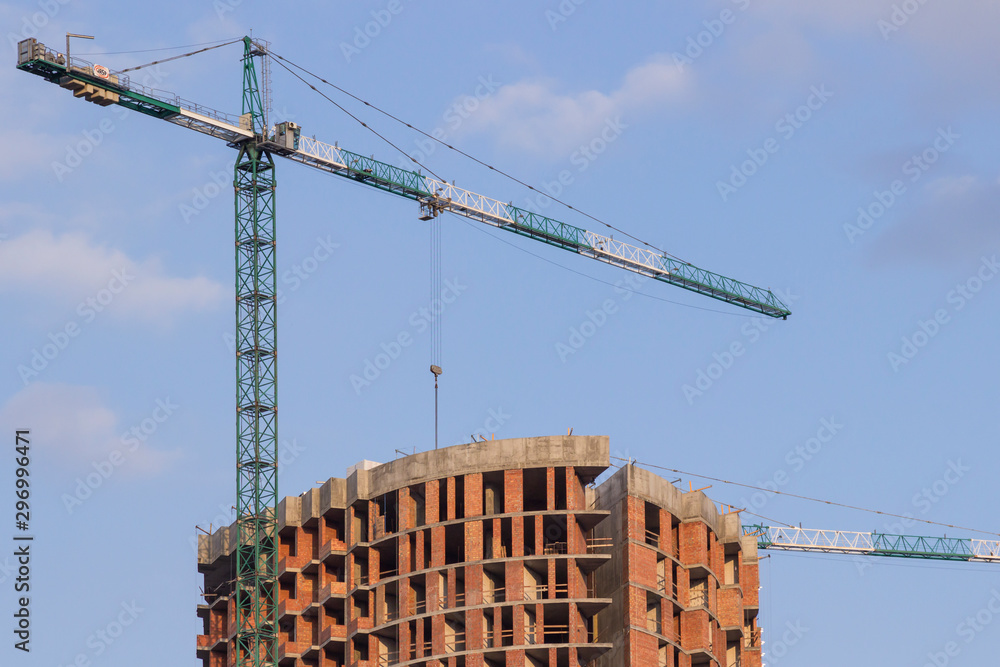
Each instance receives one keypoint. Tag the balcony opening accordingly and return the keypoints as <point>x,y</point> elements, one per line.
<point>492,493</point>
<point>653,613</point>
<point>460,496</point>
<point>412,631</point>
<point>419,596</point>
<point>554,533</point>
<point>333,656</point>
<point>562,579</point>
<point>333,523</point>
<point>419,505</point>
<point>530,636</point>
<point>493,588</point>
<point>460,600</point>
<point>488,539</point>
<point>751,632</point>
<point>506,626</point>
<point>732,569</point>
<point>442,589</point>
<point>312,630</point>
<point>390,605</point>
<point>454,543</point>
<point>661,575</point>
<point>535,584</point>
<point>287,628</point>
<point>454,636</point>
<point>310,541</point>
<point>535,490</point>
<point>442,500</point>
<point>360,570</point>
<point>732,654</point>
<point>359,603</point>
<point>560,490</point>
<point>529,535</point>
<point>698,593</point>
<point>652,525</point>
<point>555,629</point>
<point>359,648</point>
<point>288,587</point>
<point>388,651</point>
<point>411,543</point>
<point>534,661</point>
<point>506,539</point>
<point>288,543</point>
<point>488,638</point>
<point>386,514</point>
<point>388,565</point>
<point>334,571</point>
<point>359,521</point>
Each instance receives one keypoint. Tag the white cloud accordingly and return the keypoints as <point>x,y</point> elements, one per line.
<point>951,225</point>
<point>952,186</point>
<point>836,13</point>
<point>73,429</point>
<point>532,115</point>
<point>71,267</point>
<point>956,28</point>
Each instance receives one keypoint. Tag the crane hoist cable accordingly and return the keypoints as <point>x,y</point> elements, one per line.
<point>475,159</point>
<point>604,282</point>
<point>436,290</point>
<point>815,500</point>
<point>281,61</point>
<point>183,55</point>
<point>163,48</point>
<point>767,518</point>
<point>430,171</point>
<point>358,120</point>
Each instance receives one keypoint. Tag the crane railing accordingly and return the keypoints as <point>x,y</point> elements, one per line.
<point>874,544</point>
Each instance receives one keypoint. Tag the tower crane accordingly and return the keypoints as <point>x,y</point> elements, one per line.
<point>256,290</point>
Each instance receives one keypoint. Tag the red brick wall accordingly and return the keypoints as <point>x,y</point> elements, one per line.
<point>693,545</point>
<point>730,607</point>
<point>513,491</point>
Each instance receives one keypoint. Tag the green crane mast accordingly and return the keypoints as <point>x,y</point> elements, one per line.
<point>256,290</point>
<point>256,385</point>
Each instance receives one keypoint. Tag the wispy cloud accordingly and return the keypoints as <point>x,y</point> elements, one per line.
<point>535,115</point>
<point>956,223</point>
<point>72,428</point>
<point>70,267</point>
<point>953,28</point>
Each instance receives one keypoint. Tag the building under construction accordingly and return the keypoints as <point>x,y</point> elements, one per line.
<point>499,553</point>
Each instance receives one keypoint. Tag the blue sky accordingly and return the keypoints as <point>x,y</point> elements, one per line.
<point>842,152</point>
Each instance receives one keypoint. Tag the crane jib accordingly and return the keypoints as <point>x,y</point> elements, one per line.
<point>99,85</point>
<point>874,544</point>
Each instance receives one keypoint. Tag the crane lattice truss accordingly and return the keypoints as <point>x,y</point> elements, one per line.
<point>874,544</point>
<point>256,388</point>
<point>256,291</point>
